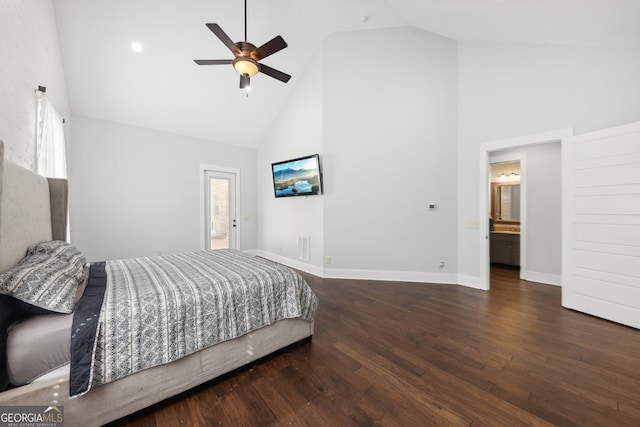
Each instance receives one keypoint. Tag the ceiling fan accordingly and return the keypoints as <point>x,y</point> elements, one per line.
<point>247,56</point>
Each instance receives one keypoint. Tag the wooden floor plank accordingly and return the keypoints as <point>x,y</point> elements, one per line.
<point>398,354</point>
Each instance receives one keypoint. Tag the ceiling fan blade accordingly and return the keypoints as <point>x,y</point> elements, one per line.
<point>272,72</point>
<point>245,81</point>
<point>213,61</point>
<point>269,48</point>
<point>224,38</point>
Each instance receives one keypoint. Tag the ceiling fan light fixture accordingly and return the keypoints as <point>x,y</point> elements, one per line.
<point>245,65</point>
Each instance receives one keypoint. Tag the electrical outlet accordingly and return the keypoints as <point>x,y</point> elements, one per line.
<point>473,224</point>
<point>327,260</point>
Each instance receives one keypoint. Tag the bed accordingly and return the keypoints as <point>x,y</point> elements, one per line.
<point>42,350</point>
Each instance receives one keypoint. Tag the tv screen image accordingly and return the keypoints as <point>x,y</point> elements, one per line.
<point>297,177</point>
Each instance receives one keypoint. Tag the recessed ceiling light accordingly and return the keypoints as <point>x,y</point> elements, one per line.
<point>136,47</point>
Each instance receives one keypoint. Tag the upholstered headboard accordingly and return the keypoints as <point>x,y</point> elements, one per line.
<point>32,209</point>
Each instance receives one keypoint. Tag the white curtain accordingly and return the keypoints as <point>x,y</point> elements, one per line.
<point>50,147</point>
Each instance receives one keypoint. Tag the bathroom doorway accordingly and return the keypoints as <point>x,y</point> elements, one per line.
<point>540,222</point>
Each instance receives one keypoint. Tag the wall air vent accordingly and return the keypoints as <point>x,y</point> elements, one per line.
<point>303,248</point>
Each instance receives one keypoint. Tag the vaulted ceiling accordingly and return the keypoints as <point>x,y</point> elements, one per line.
<point>161,87</point>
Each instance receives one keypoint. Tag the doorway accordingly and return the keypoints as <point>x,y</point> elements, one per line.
<point>219,208</point>
<point>491,149</point>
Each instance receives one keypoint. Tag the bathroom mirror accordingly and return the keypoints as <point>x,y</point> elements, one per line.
<point>505,202</point>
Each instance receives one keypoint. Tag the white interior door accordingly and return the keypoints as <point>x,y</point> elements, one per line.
<point>220,210</point>
<point>601,224</point>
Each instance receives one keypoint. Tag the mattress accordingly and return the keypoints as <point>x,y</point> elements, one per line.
<point>37,345</point>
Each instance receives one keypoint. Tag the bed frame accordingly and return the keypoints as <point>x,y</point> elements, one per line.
<point>33,209</point>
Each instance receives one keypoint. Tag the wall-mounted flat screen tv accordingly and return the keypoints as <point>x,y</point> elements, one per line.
<point>297,177</point>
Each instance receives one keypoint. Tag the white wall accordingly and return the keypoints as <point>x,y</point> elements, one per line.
<point>297,132</point>
<point>136,191</point>
<point>506,91</point>
<point>389,150</point>
<point>544,210</point>
<point>387,141</point>
<point>29,57</point>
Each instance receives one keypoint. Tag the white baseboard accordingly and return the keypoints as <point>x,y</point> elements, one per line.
<point>470,282</point>
<point>546,278</point>
<point>398,276</point>
<point>343,273</point>
<point>391,275</point>
<point>290,262</point>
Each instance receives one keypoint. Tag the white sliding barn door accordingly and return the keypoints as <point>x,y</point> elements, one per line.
<point>601,224</point>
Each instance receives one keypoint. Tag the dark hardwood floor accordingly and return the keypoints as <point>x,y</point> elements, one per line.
<point>408,354</point>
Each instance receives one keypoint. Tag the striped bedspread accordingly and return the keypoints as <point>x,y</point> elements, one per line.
<point>159,309</point>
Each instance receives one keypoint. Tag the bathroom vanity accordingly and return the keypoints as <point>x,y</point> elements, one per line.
<point>505,248</point>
